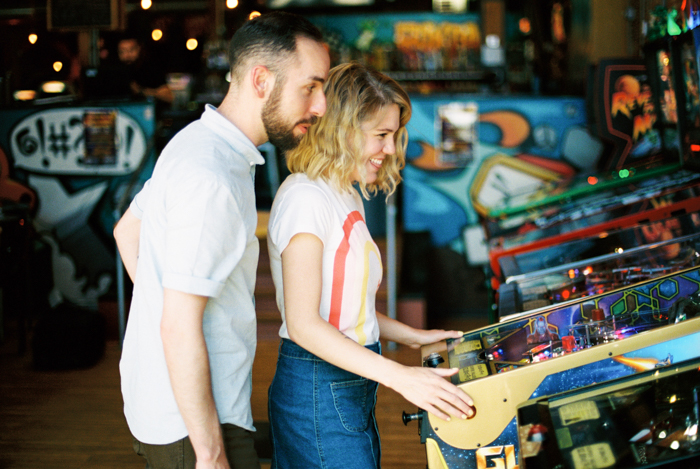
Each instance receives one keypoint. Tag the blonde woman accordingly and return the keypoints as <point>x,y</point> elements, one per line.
<point>327,270</point>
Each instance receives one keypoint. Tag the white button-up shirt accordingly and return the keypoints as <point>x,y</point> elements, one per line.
<point>198,221</point>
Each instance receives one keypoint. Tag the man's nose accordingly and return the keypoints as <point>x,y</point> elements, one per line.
<point>318,106</point>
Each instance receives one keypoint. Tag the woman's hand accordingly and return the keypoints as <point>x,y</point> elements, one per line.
<point>428,389</point>
<point>396,331</point>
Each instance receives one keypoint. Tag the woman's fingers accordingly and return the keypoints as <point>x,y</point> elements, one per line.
<point>458,403</point>
<point>428,389</point>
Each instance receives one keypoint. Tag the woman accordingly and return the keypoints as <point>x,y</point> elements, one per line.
<point>327,270</point>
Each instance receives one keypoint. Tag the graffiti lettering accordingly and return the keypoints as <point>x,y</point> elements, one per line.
<point>25,143</point>
<point>57,137</point>
<point>58,141</point>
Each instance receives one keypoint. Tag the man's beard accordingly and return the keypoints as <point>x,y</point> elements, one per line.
<point>279,132</point>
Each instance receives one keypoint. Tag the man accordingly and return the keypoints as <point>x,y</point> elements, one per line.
<point>143,78</point>
<point>188,350</point>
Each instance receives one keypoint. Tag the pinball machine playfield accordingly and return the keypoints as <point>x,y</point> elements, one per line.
<point>543,352</point>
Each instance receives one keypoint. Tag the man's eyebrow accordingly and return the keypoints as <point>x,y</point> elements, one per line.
<point>318,79</point>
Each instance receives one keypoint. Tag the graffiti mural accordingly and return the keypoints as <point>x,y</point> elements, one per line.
<point>549,133</point>
<point>74,175</point>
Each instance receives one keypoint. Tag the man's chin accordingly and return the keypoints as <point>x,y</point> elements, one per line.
<point>287,143</point>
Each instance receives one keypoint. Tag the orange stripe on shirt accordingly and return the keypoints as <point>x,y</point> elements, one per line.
<point>339,269</point>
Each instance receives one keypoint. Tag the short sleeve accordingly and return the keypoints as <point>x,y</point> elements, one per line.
<point>138,203</point>
<point>206,237</point>
<point>303,208</point>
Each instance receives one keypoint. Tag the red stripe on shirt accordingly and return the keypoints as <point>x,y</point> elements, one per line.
<point>339,269</point>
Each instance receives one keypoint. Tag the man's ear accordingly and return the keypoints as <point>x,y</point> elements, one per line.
<point>262,80</point>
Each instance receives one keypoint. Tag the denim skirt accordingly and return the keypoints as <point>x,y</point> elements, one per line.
<point>321,416</point>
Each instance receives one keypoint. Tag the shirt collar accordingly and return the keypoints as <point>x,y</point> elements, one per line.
<point>231,134</point>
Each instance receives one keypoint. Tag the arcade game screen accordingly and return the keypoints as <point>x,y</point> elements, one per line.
<point>646,420</point>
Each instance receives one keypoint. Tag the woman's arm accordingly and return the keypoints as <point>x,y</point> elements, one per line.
<point>396,331</point>
<point>302,276</point>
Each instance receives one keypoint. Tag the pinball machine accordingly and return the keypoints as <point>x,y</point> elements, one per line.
<point>573,270</point>
<point>685,200</point>
<point>515,267</point>
<point>498,190</point>
<point>646,167</point>
<point>645,420</point>
<point>595,208</point>
<point>573,344</point>
<point>645,110</point>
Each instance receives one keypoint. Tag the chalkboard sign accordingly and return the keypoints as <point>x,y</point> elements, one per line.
<point>83,14</point>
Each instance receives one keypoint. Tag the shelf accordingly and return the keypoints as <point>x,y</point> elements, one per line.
<point>473,75</point>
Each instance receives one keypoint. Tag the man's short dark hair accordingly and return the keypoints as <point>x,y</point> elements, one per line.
<point>270,38</point>
<point>129,36</point>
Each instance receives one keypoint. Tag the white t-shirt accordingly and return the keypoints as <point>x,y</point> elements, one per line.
<point>352,265</point>
<point>198,221</point>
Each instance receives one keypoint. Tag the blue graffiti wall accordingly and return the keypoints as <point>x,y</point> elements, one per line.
<point>51,160</point>
<point>541,131</point>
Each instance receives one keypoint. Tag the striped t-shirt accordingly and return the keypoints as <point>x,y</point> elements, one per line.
<point>352,265</point>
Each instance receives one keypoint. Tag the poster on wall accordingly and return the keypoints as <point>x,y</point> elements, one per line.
<point>456,134</point>
<point>99,128</point>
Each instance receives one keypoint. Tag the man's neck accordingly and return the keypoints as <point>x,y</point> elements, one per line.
<point>245,114</point>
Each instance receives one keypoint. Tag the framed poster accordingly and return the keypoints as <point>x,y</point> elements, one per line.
<point>456,134</point>
<point>100,131</point>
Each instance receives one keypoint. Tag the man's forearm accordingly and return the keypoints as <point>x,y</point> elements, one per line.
<point>188,365</point>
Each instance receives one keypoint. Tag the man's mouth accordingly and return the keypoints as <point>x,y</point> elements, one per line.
<point>304,124</point>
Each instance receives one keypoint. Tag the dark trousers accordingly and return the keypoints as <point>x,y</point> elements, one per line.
<point>240,451</point>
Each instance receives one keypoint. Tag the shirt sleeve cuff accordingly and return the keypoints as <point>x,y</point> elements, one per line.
<point>193,285</point>
<point>135,209</point>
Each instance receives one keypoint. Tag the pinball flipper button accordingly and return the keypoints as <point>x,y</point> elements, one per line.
<point>433,360</point>
<point>409,417</point>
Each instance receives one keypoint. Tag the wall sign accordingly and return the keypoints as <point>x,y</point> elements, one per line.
<point>54,142</point>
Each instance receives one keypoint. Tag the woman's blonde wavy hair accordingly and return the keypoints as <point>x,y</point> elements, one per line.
<point>333,147</point>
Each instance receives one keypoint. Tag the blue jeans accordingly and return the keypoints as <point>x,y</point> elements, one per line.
<point>321,416</point>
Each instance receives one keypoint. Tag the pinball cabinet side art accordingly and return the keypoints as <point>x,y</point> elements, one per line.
<point>573,344</point>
